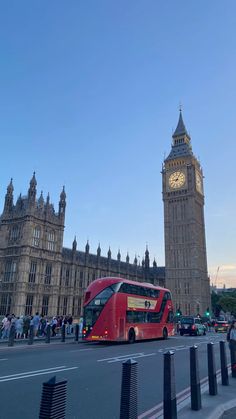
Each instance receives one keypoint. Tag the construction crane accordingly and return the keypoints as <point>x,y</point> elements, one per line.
<point>217,272</point>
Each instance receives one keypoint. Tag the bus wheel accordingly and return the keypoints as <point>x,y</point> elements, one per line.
<point>131,338</point>
<point>165,334</point>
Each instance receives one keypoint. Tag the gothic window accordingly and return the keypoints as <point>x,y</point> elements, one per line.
<point>185,291</point>
<point>29,304</point>
<point>15,233</point>
<point>81,275</point>
<point>10,271</point>
<point>48,274</point>
<point>45,304</point>
<point>51,240</point>
<point>58,306</point>
<point>36,236</point>
<point>76,306</point>
<point>64,312</point>
<point>94,276</point>
<point>67,277</point>
<point>32,272</point>
<point>61,276</point>
<point>5,304</point>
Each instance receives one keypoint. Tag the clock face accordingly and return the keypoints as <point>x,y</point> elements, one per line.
<point>177,180</point>
<point>198,182</point>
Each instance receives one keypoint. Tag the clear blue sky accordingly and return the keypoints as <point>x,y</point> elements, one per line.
<point>89,95</point>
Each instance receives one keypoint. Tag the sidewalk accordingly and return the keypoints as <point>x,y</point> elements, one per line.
<point>221,406</point>
<point>40,340</point>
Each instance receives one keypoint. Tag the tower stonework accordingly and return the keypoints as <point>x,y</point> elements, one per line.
<point>184,227</point>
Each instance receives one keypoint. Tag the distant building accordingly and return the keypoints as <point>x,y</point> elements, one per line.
<point>38,274</point>
<point>222,290</point>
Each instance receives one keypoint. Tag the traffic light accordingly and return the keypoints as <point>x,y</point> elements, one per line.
<point>178,312</point>
<point>207,312</point>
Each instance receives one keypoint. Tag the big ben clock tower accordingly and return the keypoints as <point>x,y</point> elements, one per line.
<point>185,244</point>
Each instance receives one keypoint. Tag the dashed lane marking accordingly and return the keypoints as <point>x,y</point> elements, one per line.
<point>121,358</point>
<point>80,350</point>
<point>36,373</point>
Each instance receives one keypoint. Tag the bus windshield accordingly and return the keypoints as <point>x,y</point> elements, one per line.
<point>94,308</point>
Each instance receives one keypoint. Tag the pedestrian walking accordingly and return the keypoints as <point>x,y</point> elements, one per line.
<point>53,326</point>
<point>6,324</point>
<point>26,326</point>
<point>81,323</point>
<point>19,327</point>
<point>35,322</point>
<point>232,346</point>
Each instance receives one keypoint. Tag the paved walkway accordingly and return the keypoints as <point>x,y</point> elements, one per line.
<point>221,406</point>
<point>230,414</point>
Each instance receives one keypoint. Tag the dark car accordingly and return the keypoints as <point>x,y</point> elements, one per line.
<point>221,326</point>
<point>191,326</point>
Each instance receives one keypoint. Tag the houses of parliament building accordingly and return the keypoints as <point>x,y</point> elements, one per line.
<point>38,274</point>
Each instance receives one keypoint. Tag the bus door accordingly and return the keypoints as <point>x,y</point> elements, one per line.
<point>121,328</point>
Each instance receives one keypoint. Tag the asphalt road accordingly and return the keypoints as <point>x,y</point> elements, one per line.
<point>94,373</point>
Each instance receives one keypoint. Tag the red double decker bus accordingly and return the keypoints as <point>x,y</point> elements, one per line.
<point>117,309</point>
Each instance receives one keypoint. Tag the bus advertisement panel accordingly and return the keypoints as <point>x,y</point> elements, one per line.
<point>117,309</point>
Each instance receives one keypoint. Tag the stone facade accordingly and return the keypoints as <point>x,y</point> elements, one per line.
<point>38,274</point>
<point>185,245</point>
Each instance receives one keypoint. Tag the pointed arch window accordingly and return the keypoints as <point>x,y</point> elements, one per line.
<point>10,271</point>
<point>51,240</point>
<point>48,274</point>
<point>15,233</point>
<point>32,272</point>
<point>29,304</point>
<point>5,304</point>
<point>36,236</point>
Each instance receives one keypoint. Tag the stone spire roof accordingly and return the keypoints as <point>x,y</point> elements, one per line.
<point>180,129</point>
<point>10,188</point>
<point>181,145</point>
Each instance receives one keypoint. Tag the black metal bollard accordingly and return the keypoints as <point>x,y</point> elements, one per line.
<point>232,344</point>
<point>76,333</point>
<point>31,335</point>
<point>63,333</point>
<point>223,365</point>
<point>170,409</point>
<point>196,402</point>
<point>53,401</point>
<point>48,334</point>
<point>211,369</point>
<point>129,390</point>
<point>12,335</point>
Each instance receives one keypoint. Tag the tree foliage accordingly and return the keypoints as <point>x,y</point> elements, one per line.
<point>228,303</point>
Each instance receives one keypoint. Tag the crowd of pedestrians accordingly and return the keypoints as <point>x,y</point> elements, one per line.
<point>22,325</point>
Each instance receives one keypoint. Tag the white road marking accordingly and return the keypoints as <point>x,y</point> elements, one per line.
<point>3,359</point>
<point>79,350</point>
<point>118,356</point>
<point>34,374</point>
<point>134,357</point>
<point>30,372</point>
<point>121,358</point>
